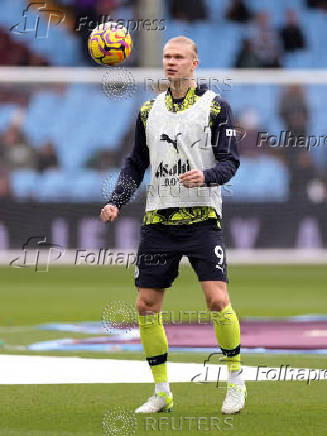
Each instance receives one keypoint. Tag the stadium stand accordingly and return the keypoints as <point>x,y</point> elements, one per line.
<point>60,116</point>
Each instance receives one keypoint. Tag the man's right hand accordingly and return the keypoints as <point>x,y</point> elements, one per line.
<point>109,213</point>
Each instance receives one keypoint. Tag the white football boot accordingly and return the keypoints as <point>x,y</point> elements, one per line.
<point>160,402</point>
<point>235,398</point>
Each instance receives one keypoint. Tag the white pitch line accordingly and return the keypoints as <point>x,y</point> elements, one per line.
<point>18,369</point>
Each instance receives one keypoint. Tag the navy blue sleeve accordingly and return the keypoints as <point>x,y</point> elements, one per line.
<point>224,146</point>
<point>132,173</point>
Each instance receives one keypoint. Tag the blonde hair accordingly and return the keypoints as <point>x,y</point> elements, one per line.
<point>185,40</point>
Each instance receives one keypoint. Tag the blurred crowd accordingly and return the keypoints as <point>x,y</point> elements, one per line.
<point>263,47</point>
<point>17,153</point>
<point>306,181</point>
<point>17,53</point>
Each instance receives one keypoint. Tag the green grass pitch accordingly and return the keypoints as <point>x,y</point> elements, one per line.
<point>81,294</point>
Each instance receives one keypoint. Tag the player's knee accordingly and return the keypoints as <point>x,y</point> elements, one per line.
<point>219,299</point>
<point>218,304</point>
<point>145,306</point>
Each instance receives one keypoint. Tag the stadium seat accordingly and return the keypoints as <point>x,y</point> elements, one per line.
<point>6,114</point>
<point>259,179</point>
<point>54,185</point>
<point>87,186</point>
<point>38,122</point>
<point>24,183</point>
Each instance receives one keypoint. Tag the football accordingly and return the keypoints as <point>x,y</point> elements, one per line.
<point>110,44</point>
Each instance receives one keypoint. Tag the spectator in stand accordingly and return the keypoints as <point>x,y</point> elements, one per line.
<point>294,112</point>
<point>46,157</point>
<point>85,8</point>
<point>89,14</point>
<point>319,4</point>
<point>188,10</point>
<point>246,57</point>
<point>248,128</point>
<point>15,151</point>
<point>16,53</point>
<point>265,41</point>
<point>102,160</point>
<point>5,190</point>
<point>291,34</point>
<point>4,44</point>
<point>293,109</point>
<point>239,12</point>
<point>34,60</point>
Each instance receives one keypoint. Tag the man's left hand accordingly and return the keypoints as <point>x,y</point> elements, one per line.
<point>192,178</point>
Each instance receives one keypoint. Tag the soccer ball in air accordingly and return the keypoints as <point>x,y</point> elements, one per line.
<point>110,44</point>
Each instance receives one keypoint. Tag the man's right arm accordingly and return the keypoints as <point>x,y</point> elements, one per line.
<point>131,175</point>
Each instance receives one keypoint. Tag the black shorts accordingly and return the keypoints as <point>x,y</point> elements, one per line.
<point>162,247</point>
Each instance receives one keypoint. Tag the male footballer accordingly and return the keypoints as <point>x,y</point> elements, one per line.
<point>186,136</point>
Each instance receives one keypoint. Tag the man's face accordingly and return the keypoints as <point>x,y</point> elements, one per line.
<point>178,61</point>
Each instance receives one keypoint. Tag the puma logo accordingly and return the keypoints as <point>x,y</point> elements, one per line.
<point>165,137</point>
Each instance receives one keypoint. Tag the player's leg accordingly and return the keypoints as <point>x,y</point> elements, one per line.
<point>227,330</point>
<point>157,267</point>
<point>154,340</point>
<point>208,260</point>
<point>153,337</point>
<point>226,324</point>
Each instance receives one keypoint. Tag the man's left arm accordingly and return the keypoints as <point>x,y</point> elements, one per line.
<point>224,146</point>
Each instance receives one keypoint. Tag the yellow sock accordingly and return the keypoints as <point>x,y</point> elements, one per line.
<point>155,344</point>
<point>227,329</point>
